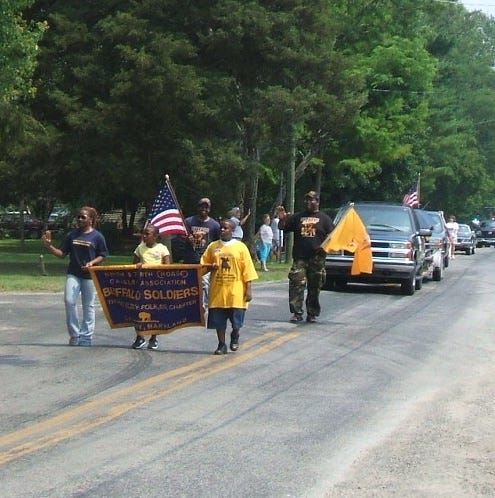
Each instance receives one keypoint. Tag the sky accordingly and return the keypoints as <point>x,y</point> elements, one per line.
<point>486,6</point>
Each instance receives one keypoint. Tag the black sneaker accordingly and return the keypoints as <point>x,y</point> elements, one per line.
<point>311,318</point>
<point>139,343</point>
<point>221,349</point>
<point>296,318</point>
<point>153,343</point>
<point>234,341</point>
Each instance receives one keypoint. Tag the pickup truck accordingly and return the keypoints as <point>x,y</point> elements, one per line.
<point>397,244</point>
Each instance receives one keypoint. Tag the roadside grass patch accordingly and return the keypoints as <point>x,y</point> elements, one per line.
<point>28,267</point>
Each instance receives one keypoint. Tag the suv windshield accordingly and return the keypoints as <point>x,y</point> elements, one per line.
<point>383,218</point>
<point>490,224</point>
<point>437,226</point>
<point>464,229</point>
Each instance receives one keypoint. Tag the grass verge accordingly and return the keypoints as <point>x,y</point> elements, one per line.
<point>28,267</point>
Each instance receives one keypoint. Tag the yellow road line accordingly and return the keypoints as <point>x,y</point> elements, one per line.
<point>110,406</point>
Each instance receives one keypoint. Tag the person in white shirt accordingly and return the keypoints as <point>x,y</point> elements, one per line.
<point>235,217</point>
<point>278,237</point>
<point>453,228</point>
<point>265,240</point>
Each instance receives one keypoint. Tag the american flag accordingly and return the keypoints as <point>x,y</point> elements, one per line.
<point>166,214</point>
<point>412,197</point>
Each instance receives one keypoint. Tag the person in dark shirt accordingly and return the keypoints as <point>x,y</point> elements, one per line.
<point>202,231</point>
<point>86,247</point>
<point>310,228</point>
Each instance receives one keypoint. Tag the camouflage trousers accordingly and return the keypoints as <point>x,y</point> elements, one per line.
<point>306,274</point>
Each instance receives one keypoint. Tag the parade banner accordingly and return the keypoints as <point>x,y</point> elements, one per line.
<point>154,299</point>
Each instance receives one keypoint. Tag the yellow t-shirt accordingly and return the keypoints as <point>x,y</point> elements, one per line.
<point>151,255</point>
<point>236,268</point>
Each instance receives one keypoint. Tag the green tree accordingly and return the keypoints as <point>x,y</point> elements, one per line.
<point>18,49</point>
<point>223,96</point>
<point>461,172</point>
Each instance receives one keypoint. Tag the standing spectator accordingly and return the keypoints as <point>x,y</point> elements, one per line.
<point>278,237</point>
<point>150,252</point>
<point>453,228</point>
<point>310,228</point>
<point>265,241</point>
<point>235,217</point>
<point>203,230</point>
<point>232,271</point>
<point>86,247</point>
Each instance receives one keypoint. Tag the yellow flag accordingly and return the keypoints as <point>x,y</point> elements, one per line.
<point>350,235</point>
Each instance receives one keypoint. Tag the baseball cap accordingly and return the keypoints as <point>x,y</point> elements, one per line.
<point>312,195</point>
<point>204,200</point>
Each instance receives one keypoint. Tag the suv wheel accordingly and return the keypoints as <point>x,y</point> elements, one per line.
<point>328,283</point>
<point>419,282</point>
<point>408,286</point>
<point>437,274</point>
<point>340,283</point>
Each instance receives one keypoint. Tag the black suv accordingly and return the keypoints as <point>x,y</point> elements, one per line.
<point>397,244</point>
<point>437,246</point>
<point>486,233</point>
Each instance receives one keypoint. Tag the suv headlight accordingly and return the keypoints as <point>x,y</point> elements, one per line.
<point>402,250</point>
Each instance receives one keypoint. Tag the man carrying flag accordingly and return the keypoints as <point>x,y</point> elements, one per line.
<point>310,228</point>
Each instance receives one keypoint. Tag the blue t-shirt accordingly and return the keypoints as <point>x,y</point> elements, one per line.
<point>82,248</point>
<point>203,232</point>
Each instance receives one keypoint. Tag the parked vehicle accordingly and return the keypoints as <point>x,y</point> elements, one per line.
<point>58,222</point>
<point>486,233</point>
<point>10,225</point>
<point>466,239</point>
<point>397,243</point>
<point>437,245</point>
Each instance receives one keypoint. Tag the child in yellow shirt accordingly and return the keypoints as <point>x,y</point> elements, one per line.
<point>152,252</point>
<point>232,271</point>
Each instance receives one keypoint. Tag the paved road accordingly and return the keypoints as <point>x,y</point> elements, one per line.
<point>387,395</point>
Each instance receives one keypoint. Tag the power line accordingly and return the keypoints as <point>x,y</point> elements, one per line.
<point>481,5</point>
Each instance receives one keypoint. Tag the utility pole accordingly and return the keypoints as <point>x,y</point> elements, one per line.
<point>291,188</point>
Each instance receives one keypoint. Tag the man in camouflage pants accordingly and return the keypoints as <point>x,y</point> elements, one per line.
<point>310,227</point>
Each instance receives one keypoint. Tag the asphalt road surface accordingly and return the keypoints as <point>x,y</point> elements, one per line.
<point>387,395</point>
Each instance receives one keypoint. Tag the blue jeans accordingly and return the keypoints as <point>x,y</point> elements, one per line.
<point>73,287</point>
<point>206,289</point>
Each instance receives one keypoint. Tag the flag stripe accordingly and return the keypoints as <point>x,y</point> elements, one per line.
<point>166,215</point>
<point>411,199</point>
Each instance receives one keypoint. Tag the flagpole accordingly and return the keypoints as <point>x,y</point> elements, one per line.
<point>418,189</point>
<point>172,192</point>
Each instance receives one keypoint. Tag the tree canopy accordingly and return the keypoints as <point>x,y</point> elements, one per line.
<point>225,96</point>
